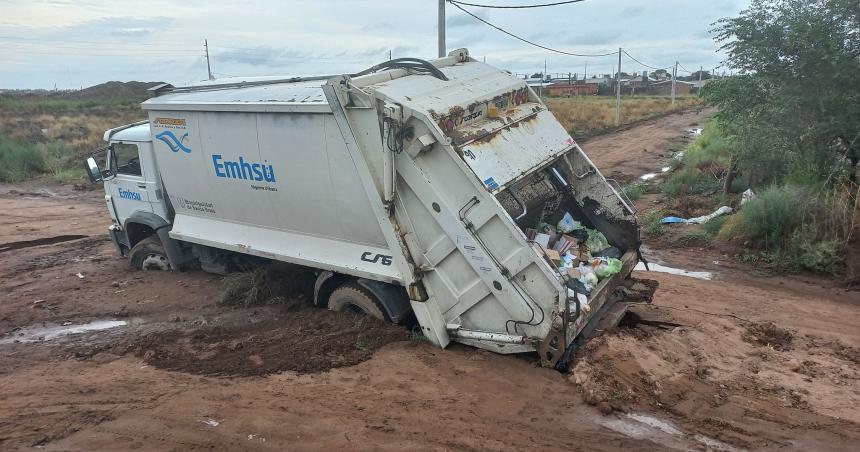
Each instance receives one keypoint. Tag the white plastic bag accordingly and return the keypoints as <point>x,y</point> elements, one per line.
<point>568,224</point>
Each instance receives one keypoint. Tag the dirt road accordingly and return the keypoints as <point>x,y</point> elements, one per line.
<point>735,362</point>
<point>641,148</point>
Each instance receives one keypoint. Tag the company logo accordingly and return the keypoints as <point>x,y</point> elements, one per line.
<point>169,122</point>
<point>245,170</point>
<point>128,194</point>
<point>175,144</point>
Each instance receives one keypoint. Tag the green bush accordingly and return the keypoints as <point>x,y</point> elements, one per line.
<point>703,166</point>
<point>19,160</point>
<point>797,227</point>
<point>651,223</point>
<point>635,190</point>
<point>713,227</point>
<point>773,215</point>
<point>695,238</point>
<point>824,256</point>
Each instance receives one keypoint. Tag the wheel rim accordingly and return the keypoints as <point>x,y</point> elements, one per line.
<point>155,262</point>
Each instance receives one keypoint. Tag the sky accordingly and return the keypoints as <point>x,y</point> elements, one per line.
<point>69,44</point>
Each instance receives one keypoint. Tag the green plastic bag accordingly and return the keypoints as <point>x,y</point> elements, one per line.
<point>608,267</point>
<point>596,241</point>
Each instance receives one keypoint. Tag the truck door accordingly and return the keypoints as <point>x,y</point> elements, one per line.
<point>128,189</point>
<point>152,179</point>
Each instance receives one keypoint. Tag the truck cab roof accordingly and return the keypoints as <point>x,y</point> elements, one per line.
<point>138,131</point>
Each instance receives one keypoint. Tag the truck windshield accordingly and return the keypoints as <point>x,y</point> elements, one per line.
<point>127,159</point>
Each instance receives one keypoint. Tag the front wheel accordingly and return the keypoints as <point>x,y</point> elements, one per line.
<point>351,297</point>
<point>148,254</point>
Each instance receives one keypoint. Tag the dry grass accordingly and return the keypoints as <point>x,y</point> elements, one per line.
<point>589,114</point>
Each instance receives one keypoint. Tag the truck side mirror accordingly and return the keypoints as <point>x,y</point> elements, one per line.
<point>93,170</point>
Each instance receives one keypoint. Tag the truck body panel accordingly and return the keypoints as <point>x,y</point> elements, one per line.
<point>421,180</point>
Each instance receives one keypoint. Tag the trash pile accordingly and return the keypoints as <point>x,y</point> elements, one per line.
<point>582,254</point>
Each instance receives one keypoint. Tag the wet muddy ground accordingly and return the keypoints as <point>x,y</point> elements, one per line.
<point>97,357</point>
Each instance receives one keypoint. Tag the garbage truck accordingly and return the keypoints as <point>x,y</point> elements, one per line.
<point>415,189</point>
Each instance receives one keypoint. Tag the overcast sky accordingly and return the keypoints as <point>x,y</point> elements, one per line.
<point>74,43</point>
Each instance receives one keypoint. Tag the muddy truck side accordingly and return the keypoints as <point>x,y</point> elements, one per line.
<point>444,190</point>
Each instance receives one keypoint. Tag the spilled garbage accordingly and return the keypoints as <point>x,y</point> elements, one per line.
<point>724,210</point>
<point>673,271</point>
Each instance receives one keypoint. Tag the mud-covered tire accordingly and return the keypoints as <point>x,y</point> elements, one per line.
<point>351,297</point>
<point>148,254</point>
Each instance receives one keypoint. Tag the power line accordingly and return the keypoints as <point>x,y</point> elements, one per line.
<point>514,6</point>
<point>526,40</point>
<point>685,69</point>
<point>643,64</point>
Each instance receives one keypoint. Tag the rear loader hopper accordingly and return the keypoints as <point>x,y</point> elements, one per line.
<point>445,188</point>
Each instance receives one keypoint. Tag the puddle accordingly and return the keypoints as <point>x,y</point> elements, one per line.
<point>648,176</point>
<point>643,426</point>
<point>674,271</point>
<point>28,335</point>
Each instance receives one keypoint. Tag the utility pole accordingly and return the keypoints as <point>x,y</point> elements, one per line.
<point>389,55</point>
<point>618,91</point>
<point>208,66</point>
<point>441,28</point>
<point>700,75</point>
<point>674,76</point>
<point>585,73</point>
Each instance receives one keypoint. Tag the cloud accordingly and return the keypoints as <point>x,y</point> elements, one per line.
<point>133,32</point>
<point>596,38</point>
<point>465,20</point>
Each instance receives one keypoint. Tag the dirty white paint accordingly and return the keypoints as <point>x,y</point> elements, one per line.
<point>648,176</point>
<point>27,335</point>
<point>674,271</point>
<point>643,426</point>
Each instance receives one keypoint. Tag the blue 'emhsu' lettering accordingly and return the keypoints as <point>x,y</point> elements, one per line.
<point>242,169</point>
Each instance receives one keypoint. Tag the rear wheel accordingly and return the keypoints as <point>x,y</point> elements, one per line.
<point>148,254</point>
<point>351,297</point>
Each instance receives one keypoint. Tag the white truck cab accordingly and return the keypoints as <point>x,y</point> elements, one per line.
<point>134,195</point>
<point>412,188</point>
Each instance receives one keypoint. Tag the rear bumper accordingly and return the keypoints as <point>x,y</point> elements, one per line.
<point>116,236</point>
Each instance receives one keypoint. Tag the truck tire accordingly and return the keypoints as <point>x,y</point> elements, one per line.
<point>351,297</point>
<point>148,254</point>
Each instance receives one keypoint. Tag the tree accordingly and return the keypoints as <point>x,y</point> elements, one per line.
<point>659,74</point>
<point>795,108</point>
<point>705,75</point>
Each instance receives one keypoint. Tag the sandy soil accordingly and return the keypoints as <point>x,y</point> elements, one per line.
<point>736,362</point>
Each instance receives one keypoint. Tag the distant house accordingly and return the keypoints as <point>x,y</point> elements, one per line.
<point>664,88</point>
<point>602,80</point>
<point>571,89</point>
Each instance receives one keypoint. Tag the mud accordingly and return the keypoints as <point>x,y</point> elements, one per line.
<point>738,362</point>
<point>307,340</point>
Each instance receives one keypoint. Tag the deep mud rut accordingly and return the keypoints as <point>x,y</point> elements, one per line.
<point>737,362</point>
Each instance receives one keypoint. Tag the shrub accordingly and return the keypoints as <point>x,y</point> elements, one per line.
<point>713,227</point>
<point>824,256</point>
<point>694,238</point>
<point>773,215</point>
<point>19,160</point>
<point>652,225</point>
<point>705,163</point>
<point>635,190</point>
